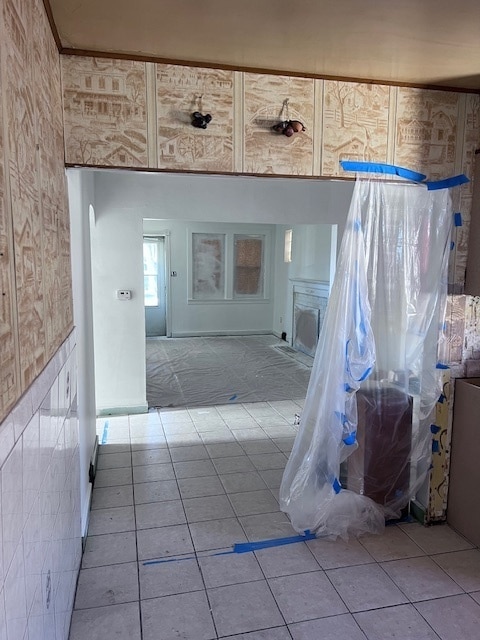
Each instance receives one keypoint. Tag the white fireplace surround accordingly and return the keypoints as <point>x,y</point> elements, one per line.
<point>310,299</point>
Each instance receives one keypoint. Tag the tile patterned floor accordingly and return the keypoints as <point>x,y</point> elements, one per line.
<point>176,488</point>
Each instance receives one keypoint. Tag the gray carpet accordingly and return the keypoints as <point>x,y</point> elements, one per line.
<point>222,370</point>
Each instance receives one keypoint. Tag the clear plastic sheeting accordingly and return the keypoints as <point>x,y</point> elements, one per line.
<point>223,370</point>
<point>364,444</point>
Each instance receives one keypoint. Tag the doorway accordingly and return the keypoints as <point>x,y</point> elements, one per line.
<point>154,285</point>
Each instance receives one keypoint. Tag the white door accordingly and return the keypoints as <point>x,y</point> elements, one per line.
<point>154,286</point>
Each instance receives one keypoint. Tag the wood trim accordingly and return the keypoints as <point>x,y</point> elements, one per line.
<point>53,26</point>
<point>274,72</point>
<point>70,165</point>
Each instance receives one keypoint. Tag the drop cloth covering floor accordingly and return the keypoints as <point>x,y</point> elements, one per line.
<point>223,370</point>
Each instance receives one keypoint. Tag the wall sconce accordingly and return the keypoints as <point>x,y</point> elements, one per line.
<point>286,126</point>
<point>198,119</point>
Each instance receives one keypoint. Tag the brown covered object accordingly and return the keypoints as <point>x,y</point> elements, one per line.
<point>380,467</point>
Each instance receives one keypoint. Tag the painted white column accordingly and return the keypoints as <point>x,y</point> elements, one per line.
<point>81,198</point>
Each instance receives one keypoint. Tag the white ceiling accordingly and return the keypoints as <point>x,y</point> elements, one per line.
<point>407,41</point>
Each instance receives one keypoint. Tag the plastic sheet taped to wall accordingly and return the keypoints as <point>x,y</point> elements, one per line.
<point>364,444</point>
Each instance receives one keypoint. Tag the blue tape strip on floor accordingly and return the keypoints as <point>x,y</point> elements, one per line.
<point>164,560</point>
<point>457,219</point>
<point>244,547</point>
<point>105,433</point>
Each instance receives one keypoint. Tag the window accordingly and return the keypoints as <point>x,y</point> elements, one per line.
<point>208,263</point>
<point>287,252</point>
<point>101,83</point>
<point>88,82</point>
<point>229,267</point>
<point>150,273</point>
<point>115,85</point>
<point>248,266</point>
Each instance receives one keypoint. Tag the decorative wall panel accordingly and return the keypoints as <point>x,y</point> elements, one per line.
<point>265,150</point>
<point>471,338</point>
<point>180,92</point>
<point>9,382</point>
<point>355,124</point>
<point>56,240</point>
<point>27,225</point>
<point>105,112</point>
<point>439,473</point>
<point>426,131</point>
<point>471,142</point>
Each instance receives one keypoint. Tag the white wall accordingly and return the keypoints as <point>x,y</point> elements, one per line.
<point>194,317</point>
<point>225,198</point>
<point>311,248</point>
<point>81,198</point>
<point>123,199</point>
<point>313,254</point>
<point>119,325</point>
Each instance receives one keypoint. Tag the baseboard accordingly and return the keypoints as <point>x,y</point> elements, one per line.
<point>122,411</point>
<point>206,334</point>
<point>93,461</point>
<point>86,516</point>
<point>88,503</point>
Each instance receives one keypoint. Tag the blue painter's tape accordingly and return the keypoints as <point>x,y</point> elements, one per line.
<point>434,428</point>
<point>379,167</point>
<point>351,438</point>
<point>234,397</point>
<point>348,388</point>
<point>164,560</point>
<point>243,547</point>
<point>439,365</point>
<point>435,446</point>
<point>448,183</point>
<point>442,398</point>
<point>452,246</point>
<point>246,547</point>
<point>105,432</point>
<point>357,225</point>
<point>337,487</point>
<point>457,219</point>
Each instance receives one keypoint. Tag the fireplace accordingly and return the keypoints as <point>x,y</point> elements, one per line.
<point>310,299</point>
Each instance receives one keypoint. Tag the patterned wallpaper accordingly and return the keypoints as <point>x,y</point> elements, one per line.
<point>180,92</point>
<point>266,151</point>
<point>105,112</point>
<point>36,300</point>
<point>431,131</point>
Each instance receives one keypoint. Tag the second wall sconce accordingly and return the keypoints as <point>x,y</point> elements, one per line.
<point>286,126</point>
<point>199,120</point>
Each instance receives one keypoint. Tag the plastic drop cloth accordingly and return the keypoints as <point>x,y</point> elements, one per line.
<point>364,443</point>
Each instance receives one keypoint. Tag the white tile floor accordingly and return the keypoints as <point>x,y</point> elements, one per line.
<point>179,486</point>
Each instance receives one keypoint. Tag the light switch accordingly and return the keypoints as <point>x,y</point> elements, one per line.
<point>124,294</point>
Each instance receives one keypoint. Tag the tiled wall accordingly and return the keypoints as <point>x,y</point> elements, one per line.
<point>36,299</point>
<point>40,546</point>
<point>40,534</point>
